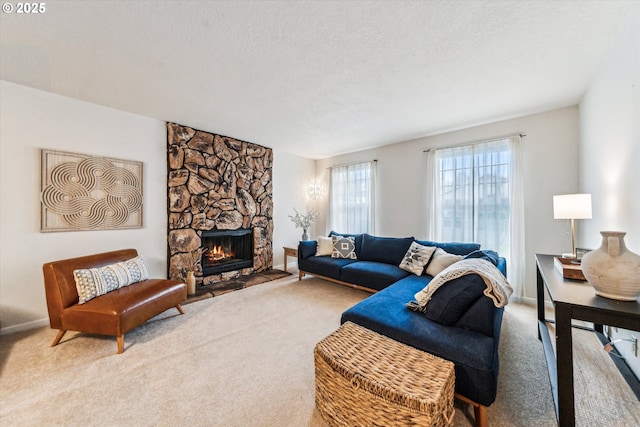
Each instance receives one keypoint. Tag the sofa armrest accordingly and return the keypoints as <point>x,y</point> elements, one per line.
<point>307,248</point>
<point>502,266</point>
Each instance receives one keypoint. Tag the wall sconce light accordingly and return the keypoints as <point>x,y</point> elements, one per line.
<point>572,206</point>
<point>315,190</point>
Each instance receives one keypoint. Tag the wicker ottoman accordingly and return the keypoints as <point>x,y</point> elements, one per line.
<point>366,379</point>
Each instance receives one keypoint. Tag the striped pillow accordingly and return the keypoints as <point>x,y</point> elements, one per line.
<point>93,282</point>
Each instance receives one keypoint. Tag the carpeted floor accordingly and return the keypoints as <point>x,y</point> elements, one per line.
<point>246,359</point>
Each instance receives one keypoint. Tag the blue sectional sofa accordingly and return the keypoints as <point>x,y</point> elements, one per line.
<point>462,324</point>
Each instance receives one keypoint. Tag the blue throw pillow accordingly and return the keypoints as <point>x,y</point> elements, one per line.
<point>454,298</point>
<point>490,256</point>
<point>307,248</point>
<point>456,248</point>
<point>389,250</point>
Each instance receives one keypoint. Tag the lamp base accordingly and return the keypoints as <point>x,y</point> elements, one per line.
<point>568,255</point>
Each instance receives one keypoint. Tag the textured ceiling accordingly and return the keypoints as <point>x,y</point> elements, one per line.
<point>315,78</point>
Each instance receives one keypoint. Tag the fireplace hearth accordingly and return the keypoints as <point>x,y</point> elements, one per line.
<point>226,250</point>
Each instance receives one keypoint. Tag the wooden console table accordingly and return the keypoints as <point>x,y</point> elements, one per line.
<point>289,252</point>
<point>575,300</point>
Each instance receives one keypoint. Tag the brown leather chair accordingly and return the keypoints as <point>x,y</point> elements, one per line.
<point>114,313</point>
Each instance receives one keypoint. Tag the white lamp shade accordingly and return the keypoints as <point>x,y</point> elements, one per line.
<point>572,206</point>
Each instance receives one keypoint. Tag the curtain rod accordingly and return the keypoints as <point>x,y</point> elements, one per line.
<point>495,138</point>
<point>351,164</point>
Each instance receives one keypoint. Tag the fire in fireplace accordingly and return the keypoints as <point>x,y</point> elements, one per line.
<point>226,250</point>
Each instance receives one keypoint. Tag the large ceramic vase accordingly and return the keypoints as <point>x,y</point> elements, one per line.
<point>613,270</point>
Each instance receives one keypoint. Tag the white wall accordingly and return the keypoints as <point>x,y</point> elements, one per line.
<point>610,141</point>
<point>550,152</point>
<point>30,120</point>
<point>291,177</point>
<point>610,150</point>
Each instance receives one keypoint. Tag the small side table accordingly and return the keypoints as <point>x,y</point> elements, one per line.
<point>287,253</point>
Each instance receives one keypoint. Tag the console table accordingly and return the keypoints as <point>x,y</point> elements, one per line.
<point>574,300</point>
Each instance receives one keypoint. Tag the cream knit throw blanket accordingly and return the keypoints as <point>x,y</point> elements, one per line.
<point>498,289</point>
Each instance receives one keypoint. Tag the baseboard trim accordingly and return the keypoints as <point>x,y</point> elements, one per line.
<point>24,326</point>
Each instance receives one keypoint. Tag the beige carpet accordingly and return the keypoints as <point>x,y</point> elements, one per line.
<point>246,359</point>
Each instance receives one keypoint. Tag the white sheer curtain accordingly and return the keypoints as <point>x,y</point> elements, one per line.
<point>352,198</point>
<point>475,195</point>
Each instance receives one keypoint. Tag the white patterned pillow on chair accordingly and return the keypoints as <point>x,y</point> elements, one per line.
<point>93,282</point>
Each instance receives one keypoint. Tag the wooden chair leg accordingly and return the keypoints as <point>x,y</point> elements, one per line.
<point>61,333</point>
<point>480,412</point>
<point>180,309</point>
<point>120,339</point>
<point>300,275</point>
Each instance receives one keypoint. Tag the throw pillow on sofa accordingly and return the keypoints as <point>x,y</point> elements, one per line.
<point>343,247</point>
<point>388,250</point>
<point>450,302</point>
<point>325,246</point>
<point>416,258</point>
<point>488,255</point>
<point>93,282</point>
<point>356,237</point>
<point>441,260</point>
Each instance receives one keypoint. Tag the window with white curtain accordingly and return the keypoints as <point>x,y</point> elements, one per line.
<point>352,198</point>
<point>477,197</point>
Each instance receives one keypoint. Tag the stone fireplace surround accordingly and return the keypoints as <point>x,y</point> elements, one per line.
<point>216,183</point>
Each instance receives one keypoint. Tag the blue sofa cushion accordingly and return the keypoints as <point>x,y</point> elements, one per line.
<point>480,317</point>
<point>324,265</point>
<point>372,275</point>
<point>390,250</point>
<point>454,298</point>
<point>356,237</point>
<point>456,248</point>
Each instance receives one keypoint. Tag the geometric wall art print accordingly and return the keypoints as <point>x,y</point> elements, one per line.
<point>83,192</point>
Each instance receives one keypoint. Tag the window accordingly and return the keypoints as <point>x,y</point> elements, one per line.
<point>352,198</point>
<point>477,197</point>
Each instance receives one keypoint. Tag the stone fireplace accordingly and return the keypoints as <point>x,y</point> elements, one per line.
<point>220,219</point>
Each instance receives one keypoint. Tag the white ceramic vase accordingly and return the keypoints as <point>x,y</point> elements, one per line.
<point>613,270</point>
<point>305,234</point>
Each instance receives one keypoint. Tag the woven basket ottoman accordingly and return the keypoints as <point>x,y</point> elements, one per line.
<point>366,379</point>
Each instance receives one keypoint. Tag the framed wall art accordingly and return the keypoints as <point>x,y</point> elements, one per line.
<point>83,192</point>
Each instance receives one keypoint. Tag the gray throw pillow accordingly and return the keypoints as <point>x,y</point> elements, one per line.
<point>343,247</point>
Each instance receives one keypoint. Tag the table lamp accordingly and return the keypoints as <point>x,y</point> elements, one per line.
<point>572,206</point>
